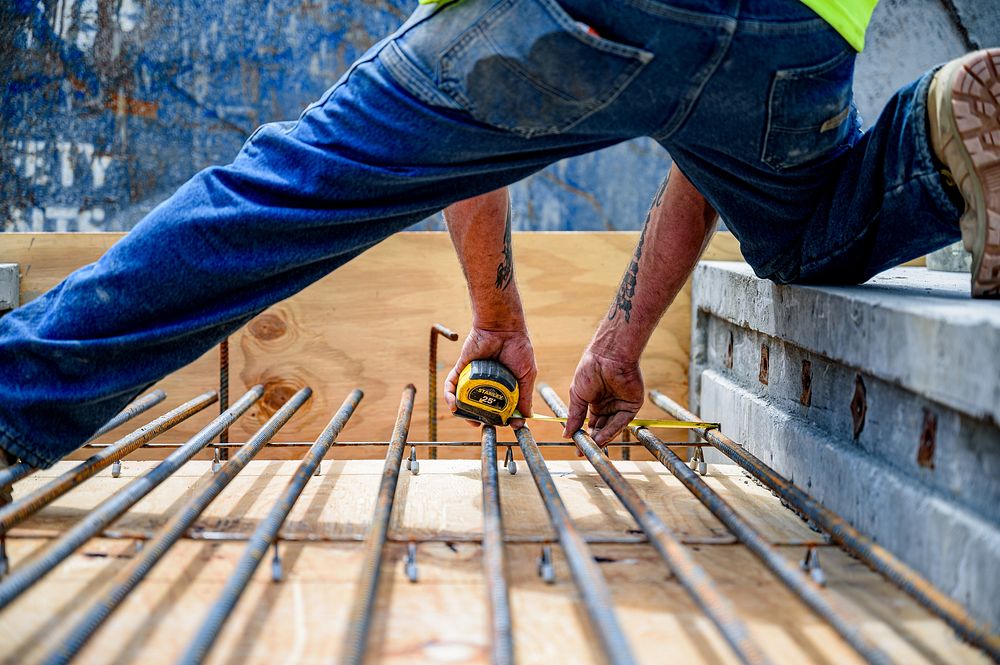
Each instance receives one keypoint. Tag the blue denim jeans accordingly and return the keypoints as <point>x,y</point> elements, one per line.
<point>752,98</point>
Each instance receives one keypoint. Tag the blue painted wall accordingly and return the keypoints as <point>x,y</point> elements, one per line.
<point>108,106</point>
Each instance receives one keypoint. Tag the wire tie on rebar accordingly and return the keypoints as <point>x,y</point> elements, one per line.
<point>412,464</point>
<point>277,573</point>
<point>545,568</point>
<point>411,562</point>
<point>698,462</point>
<point>216,461</point>
<point>508,461</point>
<point>116,469</point>
<point>810,563</point>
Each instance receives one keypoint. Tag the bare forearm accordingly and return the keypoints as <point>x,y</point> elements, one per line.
<point>480,230</point>
<point>677,229</point>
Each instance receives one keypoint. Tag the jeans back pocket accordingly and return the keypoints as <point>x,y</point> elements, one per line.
<point>528,67</point>
<point>810,113</point>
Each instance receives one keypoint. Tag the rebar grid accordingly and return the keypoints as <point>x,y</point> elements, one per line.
<point>791,575</point>
<point>266,534</point>
<point>589,581</point>
<point>135,571</point>
<point>363,605</point>
<point>692,576</point>
<point>494,558</point>
<point>22,470</point>
<point>112,507</point>
<point>21,509</point>
<point>841,532</point>
<point>593,588</point>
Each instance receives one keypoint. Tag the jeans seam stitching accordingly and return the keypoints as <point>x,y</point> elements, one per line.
<point>674,124</point>
<point>681,15</point>
<point>844,248</point>
<point>10,440</point>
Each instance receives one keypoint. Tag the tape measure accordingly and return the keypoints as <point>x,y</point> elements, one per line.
<point>487,393</point>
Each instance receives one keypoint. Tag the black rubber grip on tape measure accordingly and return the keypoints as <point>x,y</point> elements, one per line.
<point>493,371</point>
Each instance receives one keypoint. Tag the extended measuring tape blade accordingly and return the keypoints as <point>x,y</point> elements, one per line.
<point>638,422</point>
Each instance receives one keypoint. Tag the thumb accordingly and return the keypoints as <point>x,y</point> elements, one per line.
<point>450,386</point>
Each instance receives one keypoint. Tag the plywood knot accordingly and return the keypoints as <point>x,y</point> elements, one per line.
<point>267,327</point>
<point>276,393</point>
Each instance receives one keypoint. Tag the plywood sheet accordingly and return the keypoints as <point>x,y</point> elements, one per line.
<point>442,502</point>
<point>442,618</point>
<point>367,325</point>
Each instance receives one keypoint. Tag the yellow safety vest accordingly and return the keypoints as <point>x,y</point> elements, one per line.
<point>848,17</point>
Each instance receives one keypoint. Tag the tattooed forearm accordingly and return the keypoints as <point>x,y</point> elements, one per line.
<point>626,291</point>
<point>505,271</point>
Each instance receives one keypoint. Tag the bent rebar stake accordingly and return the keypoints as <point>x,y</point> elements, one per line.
<point>432,373</point>
<point>266,534</point>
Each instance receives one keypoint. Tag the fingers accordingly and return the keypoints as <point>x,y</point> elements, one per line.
<point>526,387</point>
<point>612,426</point>
<point>596,423</point>
<point>577,411</point>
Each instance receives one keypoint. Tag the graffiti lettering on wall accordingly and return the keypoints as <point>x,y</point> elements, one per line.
<point>107,106</point>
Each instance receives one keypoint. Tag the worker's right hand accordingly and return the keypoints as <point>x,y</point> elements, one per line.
<point>610,389</point>
<point>510,347</point>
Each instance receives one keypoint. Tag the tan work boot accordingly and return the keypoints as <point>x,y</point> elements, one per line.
<point>964,108</point>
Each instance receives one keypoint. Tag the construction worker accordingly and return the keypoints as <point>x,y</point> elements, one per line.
<point>752,98</point>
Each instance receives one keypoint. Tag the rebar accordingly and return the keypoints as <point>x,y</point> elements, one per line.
<point>26,506</point>
<point>443,444</point>
<point>112,507</point>
<point>22,470</point>
<point>590,583</point>
<point>432,373</point>
<point>363,605</point>
<point>691,575</point>
<point>139,406</point>
<point>805,588</point>
<point>841,532</point>
<point>135,571</point>
<point>220,454</point>
<point>266,535</point>
<point>494,557</point>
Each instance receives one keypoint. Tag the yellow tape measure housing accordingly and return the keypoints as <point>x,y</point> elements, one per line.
<point>486,392</point>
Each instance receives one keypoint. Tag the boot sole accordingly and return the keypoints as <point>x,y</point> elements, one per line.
<point>974,92</point>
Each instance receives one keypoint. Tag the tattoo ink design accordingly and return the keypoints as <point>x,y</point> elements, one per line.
<point>626,291</point>
<point>505,271</point>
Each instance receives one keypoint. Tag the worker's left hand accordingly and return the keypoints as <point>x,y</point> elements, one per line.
<point>611,389</point>
<point>510,347</point>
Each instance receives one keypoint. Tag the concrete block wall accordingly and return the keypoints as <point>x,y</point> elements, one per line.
<point>883,401</point>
